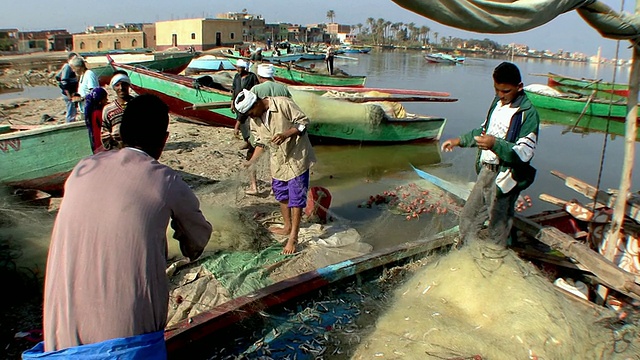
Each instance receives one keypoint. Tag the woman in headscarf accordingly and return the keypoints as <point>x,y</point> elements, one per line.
<point>94,102</point>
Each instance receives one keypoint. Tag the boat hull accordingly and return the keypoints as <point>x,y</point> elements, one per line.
<point>171,65</point>
<point>351,123</point>
<point>443,59</point>
<point>295,75</point>
<point>582,84</point>
<point>42,158</point>
<point>595,107</point>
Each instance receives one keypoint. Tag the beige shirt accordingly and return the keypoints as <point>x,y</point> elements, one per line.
<point>105,274</point>
<point>293,157</point>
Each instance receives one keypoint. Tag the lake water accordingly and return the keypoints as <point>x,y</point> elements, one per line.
<point>574,154</point>
<point>353,173</point>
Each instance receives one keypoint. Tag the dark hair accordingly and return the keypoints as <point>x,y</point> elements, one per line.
<point>122,72</point>
<point>145,122</point>
<point>507,73</point>
<point>71,55</point>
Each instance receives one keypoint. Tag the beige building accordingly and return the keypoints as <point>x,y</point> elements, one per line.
<point>114,40</point>
<point>200,34</point>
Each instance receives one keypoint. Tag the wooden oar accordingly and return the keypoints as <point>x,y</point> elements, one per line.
<point>584,111</point>
<point>210,106</point>
<point>574,208</point>
<point>363,89</point>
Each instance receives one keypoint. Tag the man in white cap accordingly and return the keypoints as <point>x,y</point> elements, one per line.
<point>268,87</point>
<point>112,113</point>
<point>277,122</point>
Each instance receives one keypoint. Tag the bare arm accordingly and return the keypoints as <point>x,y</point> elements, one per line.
<point>190,227</point>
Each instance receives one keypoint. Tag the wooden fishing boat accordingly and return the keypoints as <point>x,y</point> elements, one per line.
<point>172,64</point>
<point>355,49</point>
<point>312,56</point>
<point>41,157</point>
<point>441,58</point>
<point>331,119</point>
<point>545,97</point>
<point>266,57</point>
<point>563,83</point>
<point>559,230</point>
<point>299,75</point>
<point>192,337</point>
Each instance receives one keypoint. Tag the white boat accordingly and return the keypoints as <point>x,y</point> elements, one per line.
<point>442,58</point>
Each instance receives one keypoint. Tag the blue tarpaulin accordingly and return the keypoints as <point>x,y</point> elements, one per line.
<point>146,346</point>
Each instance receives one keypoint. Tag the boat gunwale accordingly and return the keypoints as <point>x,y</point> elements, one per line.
<point>44,128</point>
<point>215,319</point>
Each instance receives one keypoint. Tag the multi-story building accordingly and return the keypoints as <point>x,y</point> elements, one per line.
<point>339,31</point>
<point>277,32</point>
<point>199,34</point>
<point>253,26</point>
<point>42,40</point>
<point>9,39</point>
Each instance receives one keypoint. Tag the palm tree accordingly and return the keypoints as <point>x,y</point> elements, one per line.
<point>387,28</point>
<point>435,35</point>
<point>331,15</point>
<point>380,30</point>
<point>424,31</point>
<point>412,29</point>
<point>359,26</point>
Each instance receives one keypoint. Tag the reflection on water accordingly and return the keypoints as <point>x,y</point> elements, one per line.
<point>584,125</point>
<point>344,164</point>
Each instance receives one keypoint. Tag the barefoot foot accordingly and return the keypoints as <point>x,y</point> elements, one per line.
<point>279,230</point>
<point>290,247</point>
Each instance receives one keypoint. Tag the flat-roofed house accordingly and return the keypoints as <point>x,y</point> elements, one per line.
<point>200,34</point>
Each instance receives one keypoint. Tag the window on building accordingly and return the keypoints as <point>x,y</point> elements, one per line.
<point>232,35</point>
<point>134,43</point>
<point>193,36</point>
<point>99,44</point>
<point>82,45</point>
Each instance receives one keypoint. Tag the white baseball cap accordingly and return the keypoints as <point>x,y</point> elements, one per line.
<point>245,101</point>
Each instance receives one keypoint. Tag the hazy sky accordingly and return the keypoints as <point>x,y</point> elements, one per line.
<point>568,31</point>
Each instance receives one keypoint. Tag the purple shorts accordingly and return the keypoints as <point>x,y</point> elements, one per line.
<point>294,190</point>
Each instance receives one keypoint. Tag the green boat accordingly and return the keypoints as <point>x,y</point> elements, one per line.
<point>299,75</point>
<point>332,120</point>
<point>545,97</point>
<point>172,64</point>
<point>41,157</point>
<point>584,84</point>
